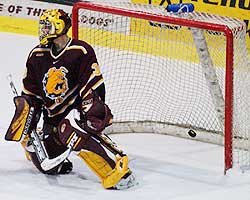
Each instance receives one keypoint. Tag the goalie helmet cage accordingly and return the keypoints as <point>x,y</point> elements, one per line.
<point>171,72</point>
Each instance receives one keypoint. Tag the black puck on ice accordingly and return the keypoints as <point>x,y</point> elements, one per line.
<point>191,133</point>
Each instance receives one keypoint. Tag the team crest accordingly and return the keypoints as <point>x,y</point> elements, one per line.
<point>55,83</point>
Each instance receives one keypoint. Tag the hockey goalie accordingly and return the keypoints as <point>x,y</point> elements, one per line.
<point>63,83</point>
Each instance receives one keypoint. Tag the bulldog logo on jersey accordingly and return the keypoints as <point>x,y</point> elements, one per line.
<point>55,83</point>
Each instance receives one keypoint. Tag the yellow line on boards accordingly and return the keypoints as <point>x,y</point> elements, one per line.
<point>17,25</point>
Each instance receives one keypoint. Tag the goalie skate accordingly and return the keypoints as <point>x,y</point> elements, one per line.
<point>126,182</point>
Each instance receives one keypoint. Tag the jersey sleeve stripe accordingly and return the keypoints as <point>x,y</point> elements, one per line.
<point>87,91</point>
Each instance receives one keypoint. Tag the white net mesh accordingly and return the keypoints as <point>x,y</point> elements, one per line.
<point>154,77</point>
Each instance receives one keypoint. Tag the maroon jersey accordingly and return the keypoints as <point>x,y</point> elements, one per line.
<point>61,80</point>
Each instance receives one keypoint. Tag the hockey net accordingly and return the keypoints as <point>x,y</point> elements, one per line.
<point>169,73</point>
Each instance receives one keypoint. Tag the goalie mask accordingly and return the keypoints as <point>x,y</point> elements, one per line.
<point>52,24</point>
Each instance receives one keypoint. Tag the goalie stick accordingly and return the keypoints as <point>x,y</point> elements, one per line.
<point>45,163</point>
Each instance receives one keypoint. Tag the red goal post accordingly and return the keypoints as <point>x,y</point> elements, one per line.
<point>221,90</point>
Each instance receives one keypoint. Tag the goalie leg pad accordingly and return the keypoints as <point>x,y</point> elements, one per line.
<point>96,163</point>
<point>92,149</point>
<point>119,177</point>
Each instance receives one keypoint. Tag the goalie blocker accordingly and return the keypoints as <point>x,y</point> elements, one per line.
<point>25,118</point>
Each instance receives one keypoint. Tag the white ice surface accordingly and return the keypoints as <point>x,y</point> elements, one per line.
<point>167,168</point>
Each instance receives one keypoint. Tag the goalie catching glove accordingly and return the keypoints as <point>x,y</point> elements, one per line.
<point>95,114</point>
<point>25,118</point>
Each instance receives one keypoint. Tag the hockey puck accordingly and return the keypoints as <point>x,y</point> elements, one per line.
<point>191,133</point>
